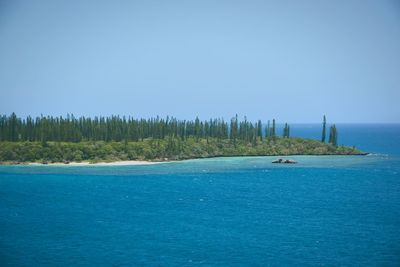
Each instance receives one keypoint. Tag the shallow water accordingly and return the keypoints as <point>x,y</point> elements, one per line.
<point>328,210</point>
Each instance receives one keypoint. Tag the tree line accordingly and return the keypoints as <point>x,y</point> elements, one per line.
<point>116,128</point>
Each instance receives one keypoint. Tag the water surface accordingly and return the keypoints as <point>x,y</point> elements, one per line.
<point>328,210</point>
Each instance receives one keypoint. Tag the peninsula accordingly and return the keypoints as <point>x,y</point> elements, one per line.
<point>111,139</point>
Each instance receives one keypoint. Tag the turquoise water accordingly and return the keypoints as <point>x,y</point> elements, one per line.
<point>334,211</point>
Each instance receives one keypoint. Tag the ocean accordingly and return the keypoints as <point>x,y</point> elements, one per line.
<point>240,211</point>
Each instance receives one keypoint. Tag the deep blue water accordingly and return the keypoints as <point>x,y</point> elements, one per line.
<point>333,211</point>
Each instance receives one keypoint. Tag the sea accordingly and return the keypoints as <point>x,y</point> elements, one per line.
<point>238,211</point>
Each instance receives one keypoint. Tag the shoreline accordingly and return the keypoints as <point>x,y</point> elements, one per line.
<point>87,163</point>
<point>148,162</point>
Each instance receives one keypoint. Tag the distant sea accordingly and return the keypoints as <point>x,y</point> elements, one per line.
<point>242,211</point>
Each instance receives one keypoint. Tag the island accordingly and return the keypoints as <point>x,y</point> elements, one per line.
<point>110,139</point>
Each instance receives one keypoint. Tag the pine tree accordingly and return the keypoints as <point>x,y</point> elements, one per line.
<point>13,120</point>
<point>234,129</point>
<point>323,130</point>
<point>197,129</point>
<point>259,130</point>
<point>273,132</point>
<point>286,130</point>
<point>267,130</point>
<point>333,135</point>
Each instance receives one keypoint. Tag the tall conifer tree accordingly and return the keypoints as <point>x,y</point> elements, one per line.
<point>273,132</point>
<point>333,135</point>
<point>323,130</point>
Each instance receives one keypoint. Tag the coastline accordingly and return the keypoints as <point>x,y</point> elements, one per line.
<point>148,162</point>
<point>149,151</point>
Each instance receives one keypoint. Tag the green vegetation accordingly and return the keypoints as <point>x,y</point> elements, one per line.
<point>49,139</point>
<point>162,149</point>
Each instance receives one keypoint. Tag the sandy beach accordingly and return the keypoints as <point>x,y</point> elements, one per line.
<point>115,163</point>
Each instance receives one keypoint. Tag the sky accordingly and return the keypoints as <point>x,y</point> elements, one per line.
<point>290,60</point>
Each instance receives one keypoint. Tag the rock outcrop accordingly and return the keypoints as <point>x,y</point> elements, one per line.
<point>287,161</point>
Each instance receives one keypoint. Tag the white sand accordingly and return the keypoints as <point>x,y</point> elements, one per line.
<point>115,163</point>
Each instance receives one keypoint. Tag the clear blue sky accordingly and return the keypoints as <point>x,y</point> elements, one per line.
<point>292,60</point>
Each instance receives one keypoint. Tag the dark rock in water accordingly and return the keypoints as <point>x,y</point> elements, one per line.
<point>287,161</point>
